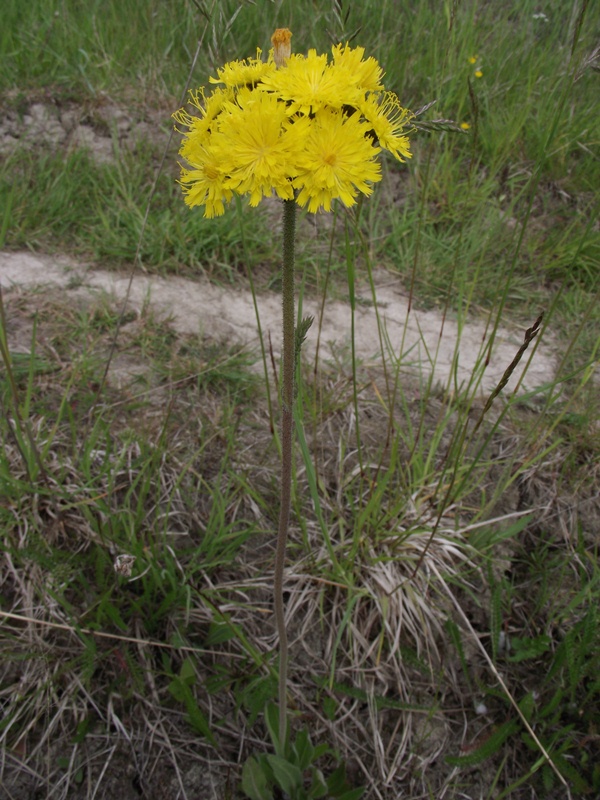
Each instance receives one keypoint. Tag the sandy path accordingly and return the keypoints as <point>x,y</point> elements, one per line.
<point>228,314</point>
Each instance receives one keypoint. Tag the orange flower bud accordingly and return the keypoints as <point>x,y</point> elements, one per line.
<point>282,46</point>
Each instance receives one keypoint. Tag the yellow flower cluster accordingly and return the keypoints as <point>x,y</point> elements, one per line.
<point>311,128</point>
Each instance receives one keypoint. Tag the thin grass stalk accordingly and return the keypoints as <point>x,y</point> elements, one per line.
<point>261,338</point>
<point>287,430</point>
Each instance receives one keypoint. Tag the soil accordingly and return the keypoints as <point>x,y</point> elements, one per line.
<point>428,341</point>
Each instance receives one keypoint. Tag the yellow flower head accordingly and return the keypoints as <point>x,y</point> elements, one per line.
<point>244,73</point>
<point>338,160</point>
<point>209,109</point>
<point>308,84</point>
<point>366,75</point>
<point>204,183</point>
<point>388,121</point>
<point>255,147</point>
<point>300,126</point>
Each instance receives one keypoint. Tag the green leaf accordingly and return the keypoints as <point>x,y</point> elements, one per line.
<point>336,782</point>
<point>287,775</point>
<point>489,747</point>
<point>568,771</point>
<point>218,633</point>
<point>320,750</point>
<point>113,614</point>
<point>548,777</point>
<point>82,730</point>
<point>525,647</point>
<point>255,783</point>
<point>338,786</point>
<point>272,723</point>
<point>176,690</point>
<point>303,750</point>
<point>527,706</point>
<point>183,694</point>
<point>553,704</point>
<point>330,705</point>
<point>353,794</point>
<point>187,673</point>
<point>485,538</point>
<point>257,694</point>
<point>318,785</point>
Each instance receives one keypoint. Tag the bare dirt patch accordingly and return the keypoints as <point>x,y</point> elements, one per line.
<point>96,129</point>
<point>425,341</point>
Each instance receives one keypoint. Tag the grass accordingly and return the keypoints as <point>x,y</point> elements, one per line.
<point>443,570</point>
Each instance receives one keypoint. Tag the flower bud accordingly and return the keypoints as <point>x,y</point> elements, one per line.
<point>282,46</point>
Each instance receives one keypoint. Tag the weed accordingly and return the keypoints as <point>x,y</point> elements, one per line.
<point>442,573</point>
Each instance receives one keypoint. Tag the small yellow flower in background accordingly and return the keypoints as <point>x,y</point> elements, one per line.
<point>478,73</point>
<point>472,59</point>
<point>300,126</point>
<point>465,126</point>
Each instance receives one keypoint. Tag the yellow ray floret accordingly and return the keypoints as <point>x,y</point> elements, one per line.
<point>204,183</point>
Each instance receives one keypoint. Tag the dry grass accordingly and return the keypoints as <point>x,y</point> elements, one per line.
<point>115,684</point>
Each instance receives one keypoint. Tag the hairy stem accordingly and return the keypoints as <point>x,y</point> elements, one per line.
<point>287,430</point>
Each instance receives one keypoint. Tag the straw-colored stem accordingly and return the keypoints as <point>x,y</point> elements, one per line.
<point>287,430</point>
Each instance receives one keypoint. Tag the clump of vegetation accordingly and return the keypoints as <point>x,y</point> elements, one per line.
<point>441,581</point>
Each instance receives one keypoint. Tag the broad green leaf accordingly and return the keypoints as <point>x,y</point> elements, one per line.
<point>187,672</point>
<point>303,750</point>
<point>353,794</point>
<point>218,633</point>
<point>287,775</point>
<point>336,782</point>
<point>254,781</point>
<point>318,785</point>
<point>272,723</point>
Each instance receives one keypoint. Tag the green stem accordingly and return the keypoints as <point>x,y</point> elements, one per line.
<point>287,431</point>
